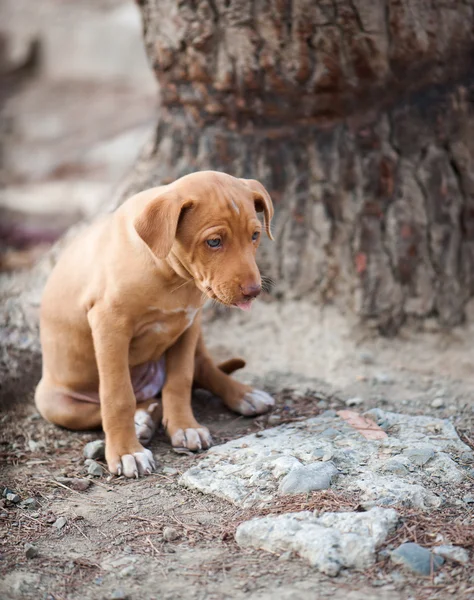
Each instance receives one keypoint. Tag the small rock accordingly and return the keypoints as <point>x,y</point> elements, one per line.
<point>366,357</point>
<point>15,498</point>
<point>452,553</point>
<point>286,555</point>
<point>119,594</point>
<point>170,471</point>
<point>34,446</point>
<point>420,455</point>
<point>383,378</point>
<point>274,419</point>
<point>330,433</point>
<point>437,403</point>
<point>354,401</point>
<point>79,485</point>
<point>308,478</point>
<point>95,450</point>
<point>60,522</point>
<point>7,491</point>
<point>95,469</point>
<point>31,551</point>
<point>468,499</point>
<point>30,503</point>
<point>467,457</point>
<point>170,534</point>
<point>127,571</point>
<point>416,558</point>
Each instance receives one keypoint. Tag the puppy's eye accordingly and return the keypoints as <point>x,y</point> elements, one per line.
<point>255,236</point>
<point>215,243</point>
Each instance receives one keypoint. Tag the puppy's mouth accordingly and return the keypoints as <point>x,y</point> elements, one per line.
<point>245,304</point>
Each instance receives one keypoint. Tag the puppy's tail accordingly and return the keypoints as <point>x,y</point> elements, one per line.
<point>231,365</point>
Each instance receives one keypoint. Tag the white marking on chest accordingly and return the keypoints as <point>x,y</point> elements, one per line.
<point>159,327</point>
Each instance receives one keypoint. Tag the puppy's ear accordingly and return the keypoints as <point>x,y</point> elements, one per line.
<point>158,221</point>
<point>263,202</point>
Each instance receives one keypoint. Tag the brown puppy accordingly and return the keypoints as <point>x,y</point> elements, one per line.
<point>120,315</point>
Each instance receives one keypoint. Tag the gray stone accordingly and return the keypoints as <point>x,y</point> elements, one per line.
<point>95,469</point>
<point>329,542</point>
<point>366,357</point>
<point>7,491</point>
<point>437,403</point>
<point>468,499</point>
<point>95,450</point>
<point>467,457</point>
<point>127,571</point>
<point>118,562</point>
<point>60,522</point>
<point>15,498</point>
<point>398,465</point>
<point>355,401</point>
<point>249,471</point>
<point>416,558</point>
<point>30,503</point>
<point>383,378</point>
<point>452,553</point>
<point>31,551</point>
<point>119,594</point>
<point>420,454</point>
<point>308,478</point>
<point>79,485</point>
<point>170,534</point>
<point>170,471</point>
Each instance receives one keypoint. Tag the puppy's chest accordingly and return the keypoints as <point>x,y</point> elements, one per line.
<point>159,329</point>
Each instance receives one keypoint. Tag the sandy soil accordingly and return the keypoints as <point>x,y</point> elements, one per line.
<point>311,360</point>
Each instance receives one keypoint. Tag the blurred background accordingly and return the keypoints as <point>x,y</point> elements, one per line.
<point>77,102</point>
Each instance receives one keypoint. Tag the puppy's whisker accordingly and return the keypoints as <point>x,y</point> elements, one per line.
<point>182,285</point>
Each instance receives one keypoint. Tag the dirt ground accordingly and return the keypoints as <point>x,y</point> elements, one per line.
<point>113,546</point>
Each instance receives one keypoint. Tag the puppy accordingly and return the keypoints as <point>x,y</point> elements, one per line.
<point>120,315</point>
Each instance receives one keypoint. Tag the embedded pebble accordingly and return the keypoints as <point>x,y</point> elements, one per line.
<point>437,403</point>
<point>452,553</point>
<point>31,551</point>
<point>420,455</point>
<point>308,478</point>
<point>170,534</point>
<point>354,401</point>
<point>127,571</point>
<point>95,469</point>
<point>468,499</point>
<point>15,498</point>
<point>383,378</point>
<point>170,471</point>
<point>95,450</point>
<point>416,558</point>
<point>119,594</point>
<point>30,503</point>
<point>79,485</point>
<point>60,522</point>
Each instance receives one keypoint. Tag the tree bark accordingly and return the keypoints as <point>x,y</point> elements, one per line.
<point>357,115</point>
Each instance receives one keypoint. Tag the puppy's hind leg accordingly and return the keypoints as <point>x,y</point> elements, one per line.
<point>239,397</point>
<point>57,407</point>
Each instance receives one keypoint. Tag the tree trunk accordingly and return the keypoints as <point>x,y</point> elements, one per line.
<point>358,117</point>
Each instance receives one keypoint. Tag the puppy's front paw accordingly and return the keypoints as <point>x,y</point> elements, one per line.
<point>255,402</point>
<point>133,464</point>
<point>190,438</point>
<point>145,425</point>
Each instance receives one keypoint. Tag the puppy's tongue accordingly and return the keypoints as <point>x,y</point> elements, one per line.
<point>247,305</point>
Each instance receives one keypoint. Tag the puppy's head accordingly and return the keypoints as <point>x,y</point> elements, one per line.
<point>206,226</point>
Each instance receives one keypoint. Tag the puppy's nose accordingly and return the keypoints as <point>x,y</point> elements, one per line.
<point>251,291</point>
